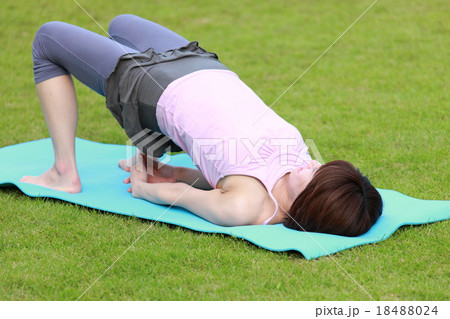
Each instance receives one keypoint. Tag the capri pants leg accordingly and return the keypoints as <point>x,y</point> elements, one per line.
<point>141,34</point>
<point>60,48</point>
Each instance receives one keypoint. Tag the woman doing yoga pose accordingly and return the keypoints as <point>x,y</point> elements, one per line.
<point>170,94</point>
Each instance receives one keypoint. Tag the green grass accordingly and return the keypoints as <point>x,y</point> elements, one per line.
<point>378,98</point>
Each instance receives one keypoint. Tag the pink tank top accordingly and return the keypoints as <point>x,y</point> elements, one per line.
<point>228,130</point>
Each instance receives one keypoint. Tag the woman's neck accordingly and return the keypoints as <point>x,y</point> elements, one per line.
<point>281,194</point>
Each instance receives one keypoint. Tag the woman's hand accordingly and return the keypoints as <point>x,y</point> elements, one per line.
<point>138,175</point>
<point>126,164</point>
<point>160,172</point>
<point>142,170</point>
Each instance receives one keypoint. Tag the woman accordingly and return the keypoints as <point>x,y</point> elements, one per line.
<point>170,94</point>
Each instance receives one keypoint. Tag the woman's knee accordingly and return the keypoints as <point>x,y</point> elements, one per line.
<point>43,35</point>
<point>47,31</point>
<point>42,51</point>
<point>118,22</point>
<point>50,28</point>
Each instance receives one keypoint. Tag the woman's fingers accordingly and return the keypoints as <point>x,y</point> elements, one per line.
<point>125,165</point>
<point>140,163</point>
<point>126,180</point>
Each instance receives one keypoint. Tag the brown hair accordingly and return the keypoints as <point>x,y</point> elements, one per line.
<point>338,200</point>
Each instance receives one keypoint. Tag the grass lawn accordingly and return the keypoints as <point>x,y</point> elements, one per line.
<point>379,98</point>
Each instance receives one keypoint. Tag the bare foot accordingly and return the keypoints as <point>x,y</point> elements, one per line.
<point>68,182</point>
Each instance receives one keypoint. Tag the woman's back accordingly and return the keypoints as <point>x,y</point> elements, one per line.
<point>227,129</point>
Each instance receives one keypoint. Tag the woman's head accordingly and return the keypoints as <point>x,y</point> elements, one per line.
<point>337,200</point>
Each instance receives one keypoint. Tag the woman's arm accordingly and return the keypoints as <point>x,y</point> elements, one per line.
<point>192,177</point>
<point>222,207</point>
<point>216,206</point>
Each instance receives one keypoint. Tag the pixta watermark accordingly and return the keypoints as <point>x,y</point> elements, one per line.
<point>233,151</point>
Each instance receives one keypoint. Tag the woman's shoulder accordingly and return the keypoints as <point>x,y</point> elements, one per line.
<point>250,195</point>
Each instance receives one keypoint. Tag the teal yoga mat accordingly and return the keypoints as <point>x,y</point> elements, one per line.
<point>103,189</point>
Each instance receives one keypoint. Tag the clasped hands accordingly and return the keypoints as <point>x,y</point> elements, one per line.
<point>143,170</point>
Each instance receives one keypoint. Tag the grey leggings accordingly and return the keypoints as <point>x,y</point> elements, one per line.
<point>60,48</point>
